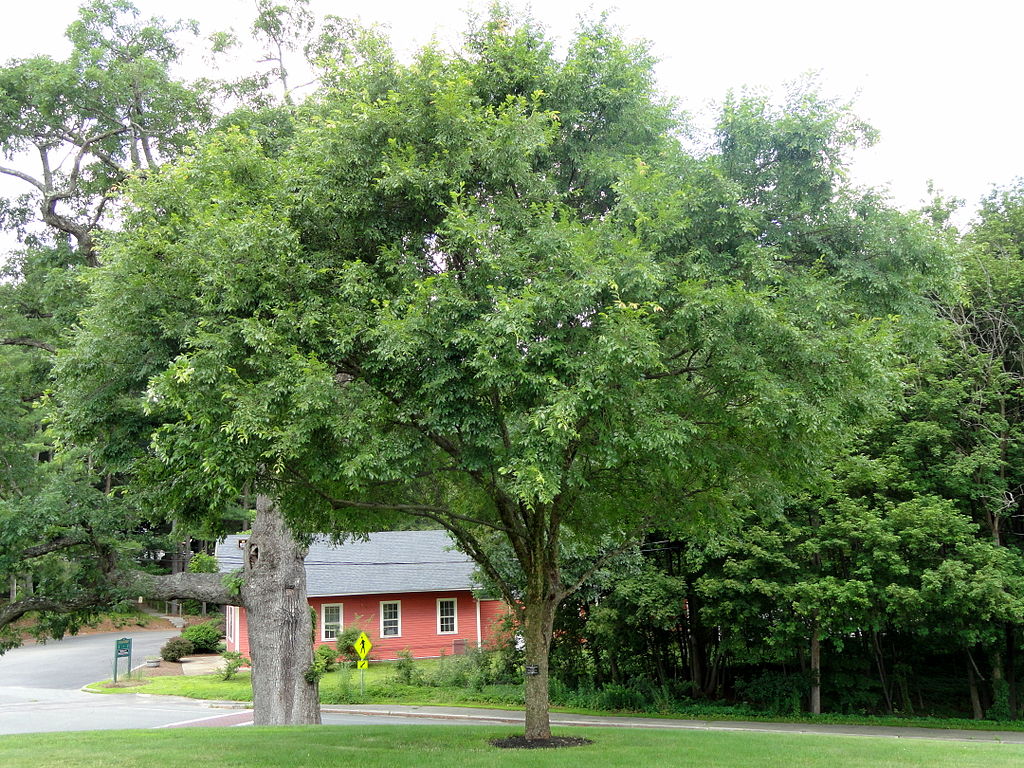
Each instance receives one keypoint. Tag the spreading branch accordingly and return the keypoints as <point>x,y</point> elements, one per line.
<point>24,342</point>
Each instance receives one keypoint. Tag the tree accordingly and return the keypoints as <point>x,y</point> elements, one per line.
<point>115,115</point>
<point>71,130</point>
<point>492,291</point>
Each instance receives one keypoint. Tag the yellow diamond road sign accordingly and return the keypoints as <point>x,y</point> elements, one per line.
<point>363,646</point>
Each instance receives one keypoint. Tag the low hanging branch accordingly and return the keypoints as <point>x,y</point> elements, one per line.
<point>24,342</point>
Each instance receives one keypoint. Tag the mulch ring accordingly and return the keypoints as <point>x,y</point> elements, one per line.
<point>521,742</point>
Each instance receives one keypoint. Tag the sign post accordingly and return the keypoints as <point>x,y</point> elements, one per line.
<point>122,650</point>
<point>362,646</point>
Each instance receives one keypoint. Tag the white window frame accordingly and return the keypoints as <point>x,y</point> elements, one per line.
<point>398,605</point>
<point>454,616</point>
<point>323,621</point>
<point>230,621</point>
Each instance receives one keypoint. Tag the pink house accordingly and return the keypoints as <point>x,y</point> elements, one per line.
<point>408,590</point>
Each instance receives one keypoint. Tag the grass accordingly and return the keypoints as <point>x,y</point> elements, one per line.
<point>342,687</point>
<point>385,746</point>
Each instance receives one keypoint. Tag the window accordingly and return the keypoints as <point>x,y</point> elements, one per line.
<point>330,621</point>
<point>391,618</point>
<point>447,619</point>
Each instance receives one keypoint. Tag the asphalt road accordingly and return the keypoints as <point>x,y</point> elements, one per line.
<point>40,691</point>
<point>70,663</point>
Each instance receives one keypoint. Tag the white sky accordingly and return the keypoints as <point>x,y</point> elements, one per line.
<point>940,80</point>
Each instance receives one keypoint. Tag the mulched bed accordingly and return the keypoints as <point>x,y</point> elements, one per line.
<point>521,742</point>
<point>166,668</point>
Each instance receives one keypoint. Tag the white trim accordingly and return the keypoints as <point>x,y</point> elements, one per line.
<point>323,621</point>
<point>479,632</point>
<point>390,602</point>
<point>455,615</point>
<point>236,630</point>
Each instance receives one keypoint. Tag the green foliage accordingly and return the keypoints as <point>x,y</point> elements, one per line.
<point>346,640</point>
<point>328,658</point>
<point>176,648</point>
<point>233,661</point>
<point>405,669</point>
<point>233,582</point>
<point>774,692</point>
<point>325,660</point>
<point>204,637</point>
<point>200,562</point>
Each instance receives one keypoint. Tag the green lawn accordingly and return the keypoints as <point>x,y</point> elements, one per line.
<point>342,687</point>
<point>466,746</point>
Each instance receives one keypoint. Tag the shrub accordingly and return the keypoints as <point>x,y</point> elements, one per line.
<point>346,642</point>
<point>776,693</point>
<point>619,697</point>
<point>204,637</point>
<point>406,671</point>
<point>326,657</point>
<point>232,661</point>
<point>175,648</point>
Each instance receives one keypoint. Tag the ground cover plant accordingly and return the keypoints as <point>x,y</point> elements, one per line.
<point>467,746</point>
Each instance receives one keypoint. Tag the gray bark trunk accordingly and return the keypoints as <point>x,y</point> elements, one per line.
<point>280,628</point>
<point>816,670</point>
<point>972,683</point>
<point>539,616</point>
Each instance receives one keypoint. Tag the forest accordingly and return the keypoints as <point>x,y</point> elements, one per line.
<point>718,424</point>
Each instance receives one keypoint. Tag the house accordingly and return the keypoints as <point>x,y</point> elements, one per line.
<point>408,590</point>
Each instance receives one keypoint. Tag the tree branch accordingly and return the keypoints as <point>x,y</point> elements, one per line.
<point>29,343</point>
<point>54,545</point>
<point>24,177</point>
<point>205,587</point>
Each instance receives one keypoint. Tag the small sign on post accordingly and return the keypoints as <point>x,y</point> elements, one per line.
<point>532,669</point>
<point>122,650</point>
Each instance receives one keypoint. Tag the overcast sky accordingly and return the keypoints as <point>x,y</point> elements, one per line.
<point>940,80</point>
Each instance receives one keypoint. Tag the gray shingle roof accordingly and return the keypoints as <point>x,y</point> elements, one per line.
<point>390,561</point>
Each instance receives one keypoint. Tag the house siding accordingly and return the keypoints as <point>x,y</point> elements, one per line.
<point>418,623</point>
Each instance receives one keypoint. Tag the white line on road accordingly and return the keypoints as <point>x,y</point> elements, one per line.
<point>199,720</point>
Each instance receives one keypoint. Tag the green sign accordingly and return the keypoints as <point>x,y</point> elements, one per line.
<point>122,650</point>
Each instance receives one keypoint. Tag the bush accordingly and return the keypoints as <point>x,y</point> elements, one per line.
<point>326,657</point>
<point>204,637</point>
<point>406,671</point>
<point>776,693</point>
<point>619,697</point>
<point>232,661</point>
<point>346,643</point>
<point>175,648</point>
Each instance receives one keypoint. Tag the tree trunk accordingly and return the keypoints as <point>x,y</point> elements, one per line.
<point>815,669</point>
<point>280,627</point>
<point>1011,668</point>
<point>883,678</point>
<point>972,682</point>
<point>539,620</point>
